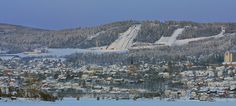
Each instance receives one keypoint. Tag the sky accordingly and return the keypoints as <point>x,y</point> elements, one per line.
<point>64,14</point>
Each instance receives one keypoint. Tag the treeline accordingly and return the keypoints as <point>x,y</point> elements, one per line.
<point>80,59</point>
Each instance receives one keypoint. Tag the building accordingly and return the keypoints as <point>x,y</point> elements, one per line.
<point>230,58</point>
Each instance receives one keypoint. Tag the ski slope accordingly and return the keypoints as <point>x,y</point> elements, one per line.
<point>169,41</point>
<point>186,41</point>
<point>172,41</point>
<point>125,40</point>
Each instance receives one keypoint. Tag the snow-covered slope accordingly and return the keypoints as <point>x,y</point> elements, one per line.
<point>125,40</point>
<point>95,35</point>
<point>186,41</point>
<point>169,41</point>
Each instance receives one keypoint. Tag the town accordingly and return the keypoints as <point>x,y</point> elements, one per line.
<point>52,79</point>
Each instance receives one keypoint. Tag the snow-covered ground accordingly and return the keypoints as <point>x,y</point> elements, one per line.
<point>143,102</point>
<point>125,40</point>
<point>62,52</point>
<point>186,41</point>
<point>98,48</point>
<point>169,41</point>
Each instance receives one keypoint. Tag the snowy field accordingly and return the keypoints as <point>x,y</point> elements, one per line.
<point>93,102</point>
<point>68,51</point>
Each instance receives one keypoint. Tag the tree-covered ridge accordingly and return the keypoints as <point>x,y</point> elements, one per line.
<point>151,31</point>
<point>69,38</point>
<point>18,38</point>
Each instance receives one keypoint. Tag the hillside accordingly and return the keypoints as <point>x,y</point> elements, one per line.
<point>18,38</point>
<point>150,34</point>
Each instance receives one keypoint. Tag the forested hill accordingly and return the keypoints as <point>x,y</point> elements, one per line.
<point>18,38</point>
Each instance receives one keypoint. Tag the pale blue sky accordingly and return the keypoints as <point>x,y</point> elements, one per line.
<point>59,14</point>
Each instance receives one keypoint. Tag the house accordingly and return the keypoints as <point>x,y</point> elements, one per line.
<point>230,58</point>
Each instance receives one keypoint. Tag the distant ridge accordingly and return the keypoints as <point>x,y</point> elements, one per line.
<point>17,38</point>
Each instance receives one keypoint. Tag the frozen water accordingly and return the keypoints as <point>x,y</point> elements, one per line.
<point>93,102</point>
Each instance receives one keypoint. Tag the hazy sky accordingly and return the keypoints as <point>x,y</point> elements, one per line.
<point>59,14</point>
